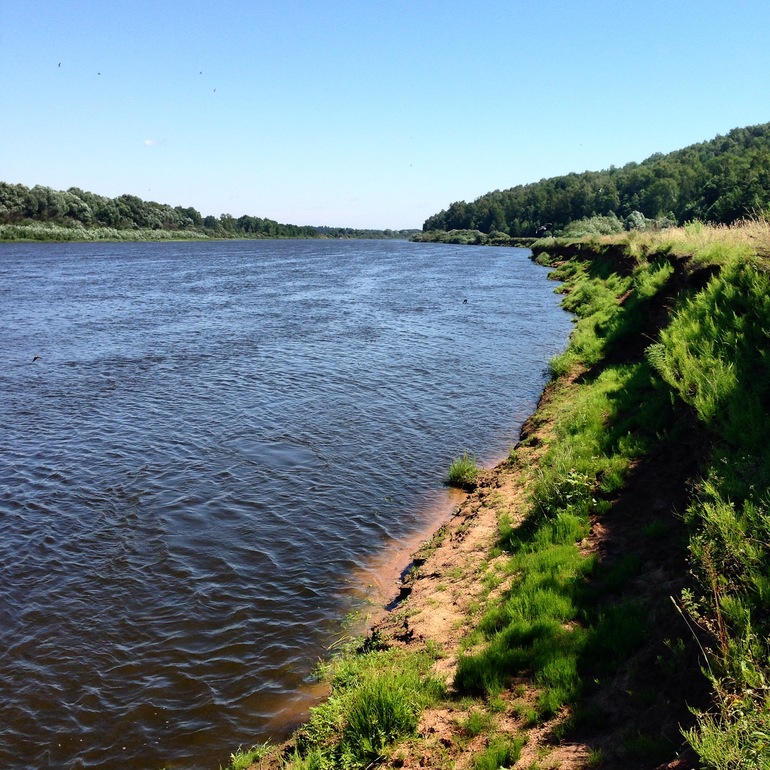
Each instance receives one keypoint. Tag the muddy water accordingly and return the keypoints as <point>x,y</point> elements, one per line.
<point>199,471</point>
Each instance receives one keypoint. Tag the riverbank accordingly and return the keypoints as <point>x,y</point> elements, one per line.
<point>48,232</point>
<point>471,237</point>
<point>565,615</point>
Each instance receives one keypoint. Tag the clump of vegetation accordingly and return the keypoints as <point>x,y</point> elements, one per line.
<point>501,752</point>
<point>478,722</point>
<point>463,472</point>
<point>472,237</point>
<point>376,699</point>
<point>595,225</point>
<point>242,759</point>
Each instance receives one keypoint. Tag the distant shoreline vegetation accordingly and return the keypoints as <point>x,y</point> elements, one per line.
<point>471,238</point>
<point>43,214</point>
<point>720,181</point>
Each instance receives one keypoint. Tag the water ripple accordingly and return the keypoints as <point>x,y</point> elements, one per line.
<point>215,438</point>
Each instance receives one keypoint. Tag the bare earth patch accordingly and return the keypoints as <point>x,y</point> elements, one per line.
<point>458,574</point>
<point>452,580</point>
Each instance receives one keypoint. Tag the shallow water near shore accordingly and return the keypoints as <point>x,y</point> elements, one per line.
<point>201,472</point>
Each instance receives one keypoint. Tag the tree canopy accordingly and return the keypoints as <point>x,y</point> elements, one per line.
<point>75,208</point>
<point>721,180</point>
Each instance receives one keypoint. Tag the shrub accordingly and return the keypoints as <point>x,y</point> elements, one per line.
<point>596,225</point>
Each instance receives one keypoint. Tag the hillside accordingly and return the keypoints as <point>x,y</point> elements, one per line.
<point>720,181</point>
<point>600,598</point>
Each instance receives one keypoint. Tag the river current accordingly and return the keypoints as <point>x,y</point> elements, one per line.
<point>203,446</point>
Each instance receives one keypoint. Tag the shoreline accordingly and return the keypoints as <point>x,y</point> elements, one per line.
<point>379,579</point>
<point>384,584</point>
<point>536,627</point>
<point>376,585</point>
<point>429,584</point>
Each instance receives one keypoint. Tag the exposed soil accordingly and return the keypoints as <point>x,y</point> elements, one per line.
<point>649,697</point>
<point>635,720</point>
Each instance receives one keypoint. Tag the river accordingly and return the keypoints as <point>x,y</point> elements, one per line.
<point>204,447</point>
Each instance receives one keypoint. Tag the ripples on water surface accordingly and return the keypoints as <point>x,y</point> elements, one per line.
<point>214,441</point>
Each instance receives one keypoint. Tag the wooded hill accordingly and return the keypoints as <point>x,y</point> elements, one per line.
<point>721,181</point>
<point>77,213</point>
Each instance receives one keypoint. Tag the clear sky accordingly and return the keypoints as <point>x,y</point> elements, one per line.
<point>363,114</point>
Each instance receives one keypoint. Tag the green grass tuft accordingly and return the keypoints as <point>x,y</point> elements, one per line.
<point>376,700</point>
<point>463,472</point>
<point>242,758</point>
<point>501,752</point>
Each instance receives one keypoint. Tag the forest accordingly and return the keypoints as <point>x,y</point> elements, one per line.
<point>721,181</point>
<point>41,213</point>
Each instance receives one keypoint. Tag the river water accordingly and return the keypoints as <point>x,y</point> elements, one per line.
<point>214,443</point>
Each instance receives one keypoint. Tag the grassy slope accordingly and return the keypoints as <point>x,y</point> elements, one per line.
<point>627,583</point>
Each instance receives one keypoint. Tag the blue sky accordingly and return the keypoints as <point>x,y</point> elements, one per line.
<point>357,114</point>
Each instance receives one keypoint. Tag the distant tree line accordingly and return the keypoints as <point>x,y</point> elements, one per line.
<point>722,180</point>
<point>77,209</point>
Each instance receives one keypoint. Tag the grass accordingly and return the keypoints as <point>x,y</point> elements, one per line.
<point>463,472</point>
<point>501,752</point>
<point>549,624</point>
<point>477,722</point>
<point>242,758</point>
<point>376,699</point>
<point>703,242</point>
<point>595,758</point>
<point>711,359</point>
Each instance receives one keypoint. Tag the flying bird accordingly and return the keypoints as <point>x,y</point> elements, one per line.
<point>36,358</point>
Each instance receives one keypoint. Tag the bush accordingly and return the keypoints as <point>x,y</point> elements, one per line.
<point>596,225</point>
